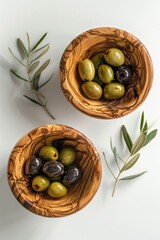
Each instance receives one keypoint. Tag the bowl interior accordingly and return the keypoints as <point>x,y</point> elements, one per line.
<point>79,195</point>
<point>99,40</point>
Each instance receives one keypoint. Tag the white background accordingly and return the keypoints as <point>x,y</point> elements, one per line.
<point>134,211</point>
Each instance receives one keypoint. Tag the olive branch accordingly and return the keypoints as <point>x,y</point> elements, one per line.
<point>30,61</point>
<point>123,165</point>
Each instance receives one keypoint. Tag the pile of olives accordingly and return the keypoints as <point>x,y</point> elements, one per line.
<point>105,74</point>
<point>53,171</point>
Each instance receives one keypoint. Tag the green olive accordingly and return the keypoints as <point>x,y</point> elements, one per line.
<point>57,190</point>
<point>105,73</point>
<point>114,57</point>
<point>86,70</point>
<point>97,59</point>
<point>92,90</point>
<point>40,183</point>
<point>113,91</point>
<point>67,155</point>
<point>48,153</point>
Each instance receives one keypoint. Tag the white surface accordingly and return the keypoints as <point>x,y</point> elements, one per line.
<point>134,211</point>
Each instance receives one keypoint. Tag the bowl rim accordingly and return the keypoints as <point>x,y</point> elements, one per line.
<point>82,107</point>
<point>12,183</point>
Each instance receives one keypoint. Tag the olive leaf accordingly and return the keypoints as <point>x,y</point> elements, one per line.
<point>28,42</point>
<point>131,161</point>
<point>17,58</point>
<point>41,54</point>
<point>33,66</point>
<point>22,48</point>
<point>111,145</point>
<point>35,82</point>
<point>145,128</point>
<point>114,151</point>
<point>127,138</point>
<point>32,100</point>
<point>43,84</point>
<point>132,176</point>
<point>105,159</point>
<point>142,122</point>
<point>42,68</point>
<point>150,136</point>
<point>17,75</point>
<point>37,44</point>
<point>40,95</point>
<point>41,48</point>
<point>115,154</point>
<point>139,143</point>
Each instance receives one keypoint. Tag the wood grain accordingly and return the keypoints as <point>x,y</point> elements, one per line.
<point>99,40</point>
<point>79,195</point>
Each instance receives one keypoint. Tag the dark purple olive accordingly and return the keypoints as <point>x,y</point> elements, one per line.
<point>123,75</point>
<point>72,175</point>
<point>33,166</point>
<point>53,169</point>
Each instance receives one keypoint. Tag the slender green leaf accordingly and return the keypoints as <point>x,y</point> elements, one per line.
<point>111,145</point>
<point>33,66</point>
<point>113,150</point>
<point>18,76</point>
<point>46,82</point>
<point>145,128</point>
<point>116,157</point>
<point>41,54</point>
<point>17,58</point>
<point>142,121</point>
<point>40,48</point>
<point>127,138</point>
<point>35,82</point>
<point>22,48</point>
<point>28,42</point>
<point>139,143</point>
<point>37,44</point>
<point>132,176</point>
<point>108,165</point>
<point>150,136</point>
<point>32,100</point>
<point>131,161</point>
<point>39,94</point>
<point>42,68</point>
<point>40,97</point>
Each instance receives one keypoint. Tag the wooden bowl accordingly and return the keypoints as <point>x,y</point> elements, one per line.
<point>99,40</point>
<point>79,195</point>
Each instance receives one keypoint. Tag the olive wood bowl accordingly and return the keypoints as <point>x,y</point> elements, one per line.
<point>98,40</point>
<point>79,195</point>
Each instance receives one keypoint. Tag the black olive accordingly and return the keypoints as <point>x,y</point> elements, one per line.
<point>53,169</point>
<point>72,175</point>
<point>33,166</point>
<point>123,75</point>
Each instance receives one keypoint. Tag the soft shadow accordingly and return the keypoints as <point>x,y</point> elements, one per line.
<point>4,64</point>
<point>15,220</point>
<point>64,109</point>
<point>10,210</point>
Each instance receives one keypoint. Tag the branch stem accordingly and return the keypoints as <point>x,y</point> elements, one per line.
<point>108,166</point>
<point>115,184</point>
<point>45,107</point>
